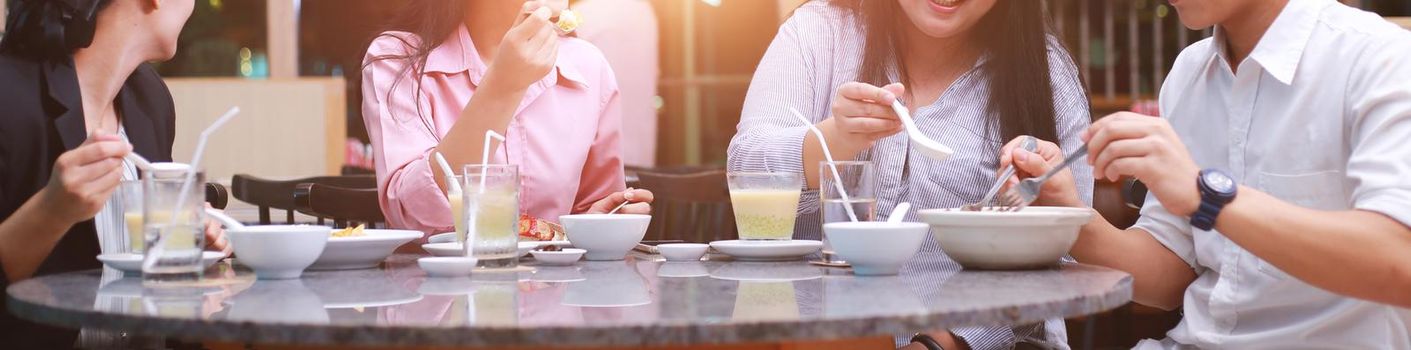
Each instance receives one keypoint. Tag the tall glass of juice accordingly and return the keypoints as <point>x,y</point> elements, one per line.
<point>491,198</point>
<point>765,204</point>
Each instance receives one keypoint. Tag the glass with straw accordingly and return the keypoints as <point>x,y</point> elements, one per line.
<point>177,222</point>
<point>491,203</point>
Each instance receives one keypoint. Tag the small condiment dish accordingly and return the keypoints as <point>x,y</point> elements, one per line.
<point>567,256</point>
<point>875,247</point>
<point>683,251</point>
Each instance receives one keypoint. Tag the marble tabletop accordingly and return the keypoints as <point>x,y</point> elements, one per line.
<point>642,301</point>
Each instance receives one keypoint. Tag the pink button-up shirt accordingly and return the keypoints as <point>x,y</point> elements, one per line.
<point>565,136</point>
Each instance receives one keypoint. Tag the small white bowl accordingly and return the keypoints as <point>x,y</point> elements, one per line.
<point>683,251</point>
<point>876,247</point>
<point>1035,237</point>
<point>444,237</point>
<point>604,236</point>
<point>567,256</point>
<point>279,251</point>
<point>447,266</point>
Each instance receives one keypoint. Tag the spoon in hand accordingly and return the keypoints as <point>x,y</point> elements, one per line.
<point>927,146</point>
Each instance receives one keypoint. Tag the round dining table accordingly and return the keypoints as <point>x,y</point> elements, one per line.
<point>642,301</point>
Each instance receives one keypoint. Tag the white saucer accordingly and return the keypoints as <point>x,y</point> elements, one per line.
<point>767,250</point>
<point>567,256</point>
<point>129,262</point>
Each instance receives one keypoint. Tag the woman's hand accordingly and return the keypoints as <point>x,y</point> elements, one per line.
<point>215,236</point>
<point>527,52</point>
<point>84,178</point>
<point>1148,149</point>
<point>862,114</point>
<point>1060,190</point>
<point>641,202</point>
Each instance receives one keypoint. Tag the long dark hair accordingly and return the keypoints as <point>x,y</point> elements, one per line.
<point>50,29</point>
<point>431,21</point>
<point>1014,34</point>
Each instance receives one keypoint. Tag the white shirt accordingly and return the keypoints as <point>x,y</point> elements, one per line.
<point>1318,115</point>
<point>109,222</point>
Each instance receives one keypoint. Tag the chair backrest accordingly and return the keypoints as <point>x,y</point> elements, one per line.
<point>1110,201</point>
<point>691,206</point>
<point>217,195</point>
<point>279,194</point>
<point>346,206</point>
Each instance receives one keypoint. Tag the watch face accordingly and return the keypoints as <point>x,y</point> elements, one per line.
<point>1219,182</point>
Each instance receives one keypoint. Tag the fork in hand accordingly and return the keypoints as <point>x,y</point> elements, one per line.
<point>1029,145</point>
<point>1021,195</point>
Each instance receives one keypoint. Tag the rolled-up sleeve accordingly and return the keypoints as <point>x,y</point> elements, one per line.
<point>401,143</point>
<point>769,136</point>
<point>1380,101</point>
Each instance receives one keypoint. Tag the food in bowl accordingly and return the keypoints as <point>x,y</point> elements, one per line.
<point>351,231</point>
<point>1032,238</point>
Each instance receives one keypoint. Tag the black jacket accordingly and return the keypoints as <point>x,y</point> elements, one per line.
<point>41,117</point>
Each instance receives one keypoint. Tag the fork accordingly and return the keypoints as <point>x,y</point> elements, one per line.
<point>1029,145</point>
<point>1021,195</point>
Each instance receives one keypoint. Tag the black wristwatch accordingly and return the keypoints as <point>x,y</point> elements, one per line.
<point>1216,190</point>
<point>927,341</point>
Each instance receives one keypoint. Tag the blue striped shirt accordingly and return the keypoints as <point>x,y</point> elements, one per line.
<point>820,48</point>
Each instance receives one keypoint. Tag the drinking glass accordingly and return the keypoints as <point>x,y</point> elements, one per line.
<point>859,179</point>
<point>457,200</point>
<point>130,207</point>
<point>181,228</point>
<point>765,204</point>
<point>490,194</point>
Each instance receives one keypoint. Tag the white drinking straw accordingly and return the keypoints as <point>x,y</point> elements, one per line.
<point>159,245</point>
<point>485,155</point>
<point>837,179</point>
<point>451,182</point>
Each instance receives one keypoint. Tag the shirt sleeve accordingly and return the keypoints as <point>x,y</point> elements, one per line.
<point>401,142</point>
<point>602,172</point>
<point>769,136</point>
<point>1380,100</point>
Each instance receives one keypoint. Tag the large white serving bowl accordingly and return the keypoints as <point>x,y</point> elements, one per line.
<point>876,247</point>
<point>363,252</point>
<point>279,251</point>
<point>604,236</point>
<point>1035,237</point>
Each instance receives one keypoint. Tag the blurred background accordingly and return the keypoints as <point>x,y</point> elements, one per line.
<point>685,65</point>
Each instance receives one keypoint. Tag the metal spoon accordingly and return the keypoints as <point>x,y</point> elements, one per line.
<point>927,146</point>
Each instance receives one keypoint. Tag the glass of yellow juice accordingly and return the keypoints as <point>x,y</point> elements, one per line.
<point>490,194</point>
<point>130,205</point>
<point>765,204</point>
<point>173,212</point>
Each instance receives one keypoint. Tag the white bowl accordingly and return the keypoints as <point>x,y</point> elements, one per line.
<point>279,251</point>
<point>566,256</point>
<point>605,237</point>
<point>683,251</point>
<point>876,247</point>
<point>1035,237</point>
<point>447,266</point>
<point>365,252</point>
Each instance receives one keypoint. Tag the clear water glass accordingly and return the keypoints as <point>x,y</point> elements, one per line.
<point>182,228</point>
<point>765,204</point>
<point>490,194</point>
<point>859,179</point>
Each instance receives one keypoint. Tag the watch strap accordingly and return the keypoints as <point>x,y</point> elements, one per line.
<point>927,341</point>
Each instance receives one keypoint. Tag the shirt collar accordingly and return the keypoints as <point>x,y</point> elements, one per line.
<point>1282,46</point>
<point>457,54</point>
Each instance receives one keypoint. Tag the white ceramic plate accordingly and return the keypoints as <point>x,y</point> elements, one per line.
<point>767,250</point>
<point>365,252</point>
<point>127,262</point>
<point>455,249</point>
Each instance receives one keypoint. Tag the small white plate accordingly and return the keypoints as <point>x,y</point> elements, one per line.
<point>128,262</point>
<point>683,251</point>
<point>447,266</point>
<point>443,237</point>
<point>455,249</point>
<point>567,256</point>
<point>363,252</point>
<point>767,250</point>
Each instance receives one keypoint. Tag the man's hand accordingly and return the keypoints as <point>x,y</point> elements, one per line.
<point>1060,191</point>
<point>641,202</point>
<point>1147,148</point>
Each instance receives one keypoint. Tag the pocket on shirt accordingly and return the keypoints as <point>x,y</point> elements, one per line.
<point>1324,190</point>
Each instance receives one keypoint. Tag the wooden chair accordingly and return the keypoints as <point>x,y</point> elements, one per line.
<point>217,195</point>
<point>346,206</point>
<point>271,194</point>
<point>691,205</point>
